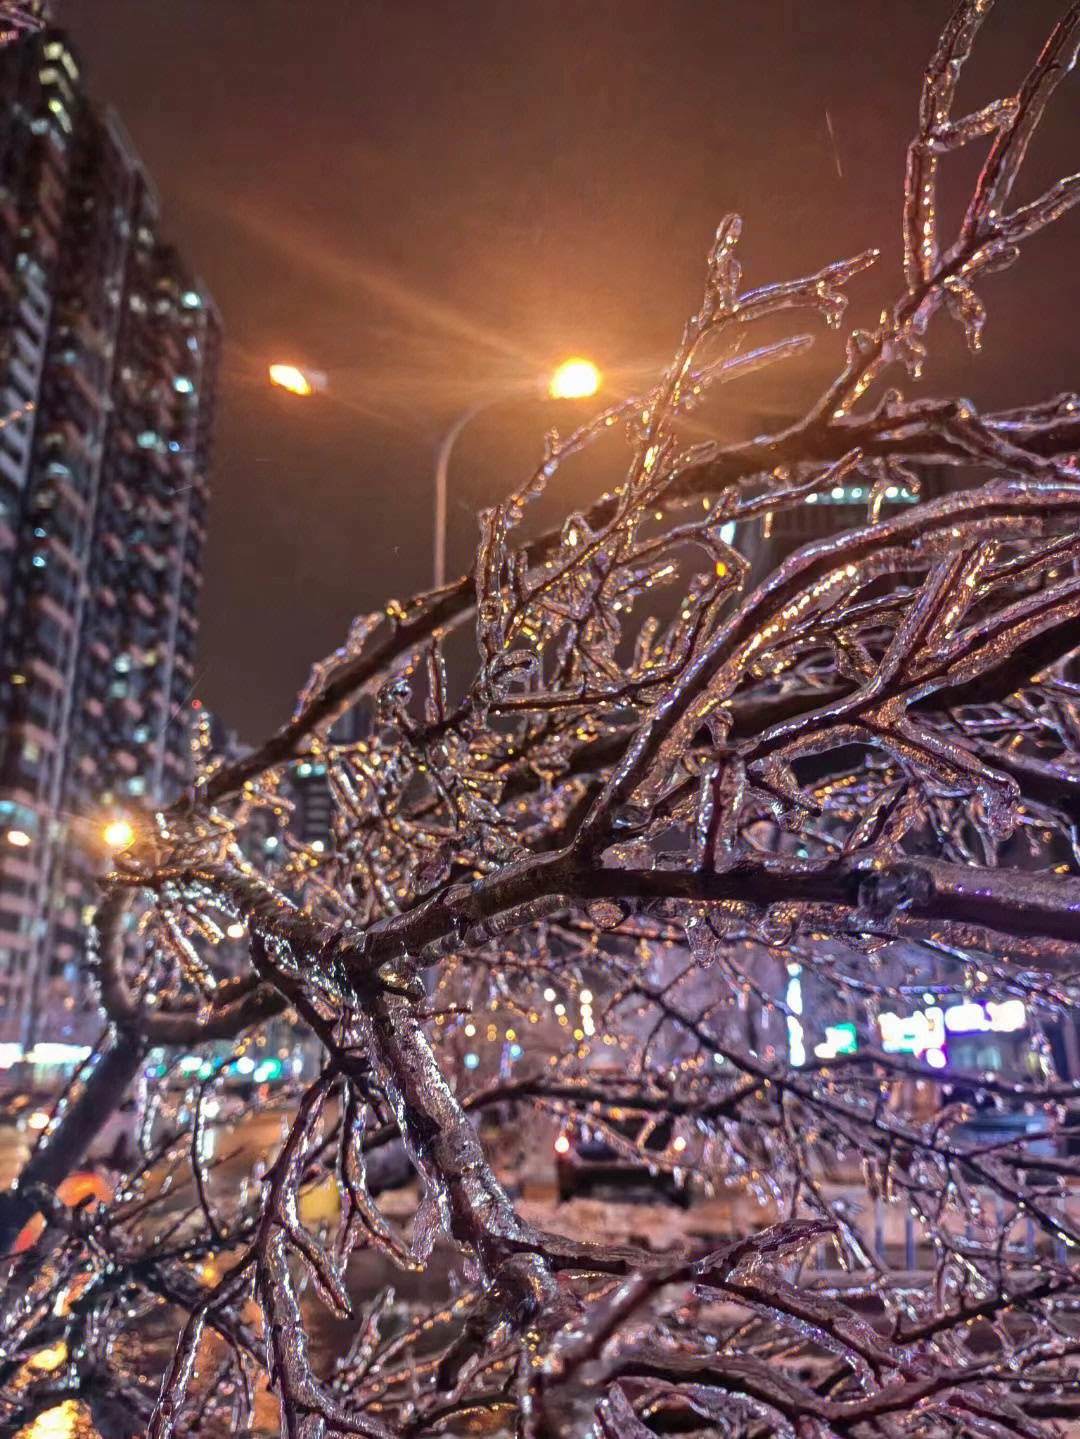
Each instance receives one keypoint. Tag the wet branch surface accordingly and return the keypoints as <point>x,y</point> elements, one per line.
<point>691,827</point>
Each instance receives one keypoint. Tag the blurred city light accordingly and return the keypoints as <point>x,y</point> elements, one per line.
<point>18,837</point>
<point>46,1360</point>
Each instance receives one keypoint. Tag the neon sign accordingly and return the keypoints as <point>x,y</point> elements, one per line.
<point>974,1016</point>
<point>925,1031</point>
<point>913,1033</point>
<point>839,1039</point>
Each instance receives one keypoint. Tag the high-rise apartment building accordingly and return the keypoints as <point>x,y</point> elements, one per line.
<point>108,359</point>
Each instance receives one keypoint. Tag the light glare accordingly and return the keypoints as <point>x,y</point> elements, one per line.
<point>575,379</point>
<point>288,377</point>
<point>118,834</point>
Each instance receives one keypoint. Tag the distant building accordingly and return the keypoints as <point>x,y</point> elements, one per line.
<point>307,810</point>
<point>308,787</point>
<point>109,352</point>
<point>766,542</point>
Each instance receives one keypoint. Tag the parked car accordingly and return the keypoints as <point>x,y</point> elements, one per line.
<point>586,1160</point>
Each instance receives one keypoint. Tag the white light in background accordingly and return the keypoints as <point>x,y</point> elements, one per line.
<point>794,1001</point>
<point>1007,1016</point>
<point>914,1033</point>
<point>966,1018</point>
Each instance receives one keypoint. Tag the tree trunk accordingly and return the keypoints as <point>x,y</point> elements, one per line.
<point>62,1148</point>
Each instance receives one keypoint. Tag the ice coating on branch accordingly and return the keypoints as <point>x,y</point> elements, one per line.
<point>697,852</point>
<point>360,632</point>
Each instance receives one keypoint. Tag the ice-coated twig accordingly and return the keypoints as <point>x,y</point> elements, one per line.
<point>679,859</point>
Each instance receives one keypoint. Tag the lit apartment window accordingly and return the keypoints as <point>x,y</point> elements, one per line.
<point>15,814</point>
<point>847,495</point>
<point>51,76</point>
<point>57,108</point>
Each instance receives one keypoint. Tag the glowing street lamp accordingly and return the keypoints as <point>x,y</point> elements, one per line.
<point>295,380</point>
<point>288,377</point>
<point>18,837</point>
<point>574,379</point>
<point>118,834</point>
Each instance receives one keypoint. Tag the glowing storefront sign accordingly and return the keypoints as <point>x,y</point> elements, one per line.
<point>925,1030</point>
<point>1008,1016</point>
<point>913,1033</point>
<point>968,1017</point>
<point>839,1039</point>
<point>973,1016</point>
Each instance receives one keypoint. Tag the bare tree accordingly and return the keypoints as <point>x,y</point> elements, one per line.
<point>678,791</point>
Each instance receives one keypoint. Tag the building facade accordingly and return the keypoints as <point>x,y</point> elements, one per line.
<point>108,359</point>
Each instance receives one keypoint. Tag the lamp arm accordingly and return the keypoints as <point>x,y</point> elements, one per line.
<point>442,472</point>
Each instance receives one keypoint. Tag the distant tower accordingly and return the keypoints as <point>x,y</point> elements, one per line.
<point>108,362</point>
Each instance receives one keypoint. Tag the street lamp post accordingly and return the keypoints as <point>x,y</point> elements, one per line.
<point>442,471</point>
<point>574,379</point>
